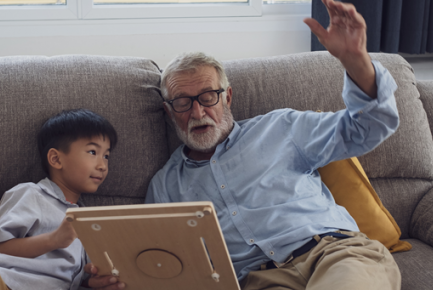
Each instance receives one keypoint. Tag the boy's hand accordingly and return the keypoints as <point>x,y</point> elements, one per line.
<point>101,282</point>
<point>64,235</point>
<point>34,246</point>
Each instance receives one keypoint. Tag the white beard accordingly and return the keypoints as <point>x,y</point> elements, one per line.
<point>206,142</point>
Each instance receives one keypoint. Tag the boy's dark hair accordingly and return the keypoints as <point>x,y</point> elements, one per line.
<point>68,126</point>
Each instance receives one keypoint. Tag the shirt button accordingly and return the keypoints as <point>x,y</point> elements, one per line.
<point>213,161</point>
<point>360,112</point>
<point>252,241</point>
<point>228,147</point>
<point>223,186</point>
<point>272,253</point>
<point>234,213</point>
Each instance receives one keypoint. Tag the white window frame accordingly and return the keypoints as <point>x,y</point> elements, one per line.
<point>136,11</point>
<point>40,12</point>
<point>85,9</point>
<point>276,17</point>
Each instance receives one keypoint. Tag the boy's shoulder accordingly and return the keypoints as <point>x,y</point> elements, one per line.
<point>43,190</point>
<point>23,186</point>
<point>21,190</point>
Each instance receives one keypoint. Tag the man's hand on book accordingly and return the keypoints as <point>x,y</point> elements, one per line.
<point>101,282</point>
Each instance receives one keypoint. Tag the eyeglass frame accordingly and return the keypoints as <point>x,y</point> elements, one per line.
<point>195,98</point>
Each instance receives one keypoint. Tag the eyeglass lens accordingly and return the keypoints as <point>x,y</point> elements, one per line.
<point>206,99</point>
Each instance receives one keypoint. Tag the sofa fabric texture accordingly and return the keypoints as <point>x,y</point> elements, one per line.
<point>125,91</point>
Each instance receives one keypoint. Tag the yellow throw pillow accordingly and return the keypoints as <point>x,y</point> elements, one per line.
<point>351,188</point>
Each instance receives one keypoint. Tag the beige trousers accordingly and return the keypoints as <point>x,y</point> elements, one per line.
<point>352,263</point>
<point>3,285</point>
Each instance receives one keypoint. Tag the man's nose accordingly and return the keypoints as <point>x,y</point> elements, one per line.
<point>197,110</point>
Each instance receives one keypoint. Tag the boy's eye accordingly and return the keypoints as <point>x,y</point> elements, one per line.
<point>93,152</point>
<point>106,156</point>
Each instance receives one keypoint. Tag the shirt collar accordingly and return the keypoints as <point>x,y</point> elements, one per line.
<point>52,189</point>
<point>232,136</point>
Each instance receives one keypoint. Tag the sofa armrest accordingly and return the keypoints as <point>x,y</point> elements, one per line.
<point>425,89</point>
<point>422,219</point>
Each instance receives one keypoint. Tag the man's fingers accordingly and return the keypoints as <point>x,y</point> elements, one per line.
<point>316,28</point>
<point>90,269</point>
<point>105,282</point>
<point>331,7</point>
<point>339,9</point>
<point>112,287</point>
<point>357,18</point>
<point>343,14</point>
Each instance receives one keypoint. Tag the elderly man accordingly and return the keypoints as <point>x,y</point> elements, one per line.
<point>281,225</point>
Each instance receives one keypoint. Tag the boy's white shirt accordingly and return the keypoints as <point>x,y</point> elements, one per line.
<point>30,209</point>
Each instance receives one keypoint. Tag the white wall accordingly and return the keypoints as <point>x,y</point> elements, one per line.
<point>274,33</point>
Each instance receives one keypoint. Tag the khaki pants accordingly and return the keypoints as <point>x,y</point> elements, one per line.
<point>352,263</point>
<point>3,285</point>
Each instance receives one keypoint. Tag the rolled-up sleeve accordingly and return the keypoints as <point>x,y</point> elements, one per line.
<point>361,127</point>
<point>19,212</point>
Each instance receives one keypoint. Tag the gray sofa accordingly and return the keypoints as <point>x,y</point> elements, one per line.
<point>125,90</point>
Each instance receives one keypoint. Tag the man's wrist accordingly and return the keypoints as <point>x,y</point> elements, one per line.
<point>362,73</point>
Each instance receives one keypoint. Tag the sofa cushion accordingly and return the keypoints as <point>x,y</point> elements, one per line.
<point>425,89</point>
<point>415,266</point>
<point>422,220</point>
<point>122,89</point>
<point>351,189</point>
<point>401,196</point>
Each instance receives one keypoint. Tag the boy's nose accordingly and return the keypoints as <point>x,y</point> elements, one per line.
<point>102,166</point>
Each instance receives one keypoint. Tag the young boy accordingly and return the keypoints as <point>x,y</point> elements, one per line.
<point>38,247</point>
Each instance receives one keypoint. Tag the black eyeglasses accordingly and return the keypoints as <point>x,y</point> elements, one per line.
<point>206,99</point>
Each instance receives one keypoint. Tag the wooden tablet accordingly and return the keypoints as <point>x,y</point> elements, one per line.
<point>157,246</point>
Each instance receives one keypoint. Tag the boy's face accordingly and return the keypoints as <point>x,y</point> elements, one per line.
<point>85,166</point>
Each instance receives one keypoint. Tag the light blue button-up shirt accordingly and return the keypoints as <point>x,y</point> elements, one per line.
<point>263,180</point>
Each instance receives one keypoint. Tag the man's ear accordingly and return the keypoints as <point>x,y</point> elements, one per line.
<point>53,157</point>
<point>229,93</point>
<point>168,110</point>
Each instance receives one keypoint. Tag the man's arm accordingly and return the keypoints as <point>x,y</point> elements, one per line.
<point>346,39</point>
<point>35,246</point>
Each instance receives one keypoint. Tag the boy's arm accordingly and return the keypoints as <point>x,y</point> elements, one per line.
<point>35,246</point>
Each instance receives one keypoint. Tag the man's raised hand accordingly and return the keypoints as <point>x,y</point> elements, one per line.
<point>346,34</point>
<point>346,39</point>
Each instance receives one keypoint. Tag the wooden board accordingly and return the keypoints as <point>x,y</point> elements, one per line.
<point>157,246</point>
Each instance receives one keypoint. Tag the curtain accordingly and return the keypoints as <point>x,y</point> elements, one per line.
<point>392,25</point>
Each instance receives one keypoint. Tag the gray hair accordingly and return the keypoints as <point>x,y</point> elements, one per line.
<point>189,62</point>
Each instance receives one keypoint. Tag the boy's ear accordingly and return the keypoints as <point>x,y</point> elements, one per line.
<point>53,157</point>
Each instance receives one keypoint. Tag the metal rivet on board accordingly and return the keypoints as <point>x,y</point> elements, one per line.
<point>96,227</point>
<point>192,223</point>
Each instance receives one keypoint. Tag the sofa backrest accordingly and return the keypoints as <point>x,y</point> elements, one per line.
<point>122,89</point>
<point>125,91</point>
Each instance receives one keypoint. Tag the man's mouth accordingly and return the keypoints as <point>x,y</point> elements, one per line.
<point>200,129</point>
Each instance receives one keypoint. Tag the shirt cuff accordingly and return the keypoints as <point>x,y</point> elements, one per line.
<point>358,102</point>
